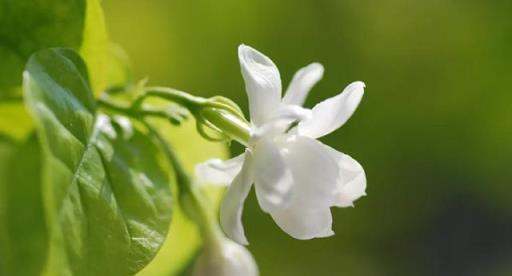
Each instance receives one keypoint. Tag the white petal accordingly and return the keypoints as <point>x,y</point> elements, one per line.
<point>315,173</point>
<point>281,122</point>
<point>305,223</point>
<point>273,179</point>
<point>293,113</point>
<point>233,203</point>
<point>332,113</point>
<point>302,83</point>
<point>262,82</point>
<point>216,171</point>
<point>352,179</point>
<point>314,170</point>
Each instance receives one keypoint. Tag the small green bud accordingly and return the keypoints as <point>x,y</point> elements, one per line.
<point>227,123</point>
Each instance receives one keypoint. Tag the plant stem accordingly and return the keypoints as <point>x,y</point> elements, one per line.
<point>219,114</point>
<point>130,111</point>
<point>179,97</point>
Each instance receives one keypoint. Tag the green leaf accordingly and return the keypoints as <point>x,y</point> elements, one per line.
<point>106,186</point>
<point>27,26</point>
<point>23,233</point>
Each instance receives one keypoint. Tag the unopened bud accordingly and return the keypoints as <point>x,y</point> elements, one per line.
<point>227,123</point>
<point>225,258</point>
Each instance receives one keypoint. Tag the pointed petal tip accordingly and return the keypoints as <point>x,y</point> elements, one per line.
<point>262,83</point>
<point>231,209</point>
<point>327,234</point>
<point>317,66</point>
<point>248,51</point>
<point>359,84</point>
<point>240,239</point>
<point>317,71</point>
<point>252,57</point>
<point>243,51</point>
<point>236,235</point>
<point>243,47</point>
<point>302,83</point>
<point>333,112</point>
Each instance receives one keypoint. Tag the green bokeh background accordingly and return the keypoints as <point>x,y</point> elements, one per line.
<point>433,132</point>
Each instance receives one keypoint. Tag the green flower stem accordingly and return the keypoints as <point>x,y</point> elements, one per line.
<point>192,103</point>
<point>219,114</point>
<point>130,111</point>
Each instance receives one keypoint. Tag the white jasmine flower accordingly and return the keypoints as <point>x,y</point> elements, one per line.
<point>297,178</point>
<point>225,258</point>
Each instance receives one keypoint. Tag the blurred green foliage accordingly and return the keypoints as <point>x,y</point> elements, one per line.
<point>47,23</point>
<point>21,206</point>
<point>434,130</point>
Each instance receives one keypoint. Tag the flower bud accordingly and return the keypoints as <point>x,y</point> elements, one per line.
<point>227,123</point>
<point>225,258</point>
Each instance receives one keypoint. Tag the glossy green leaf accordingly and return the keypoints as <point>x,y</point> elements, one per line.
<point>106,187</point>
<point>23,233</point>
